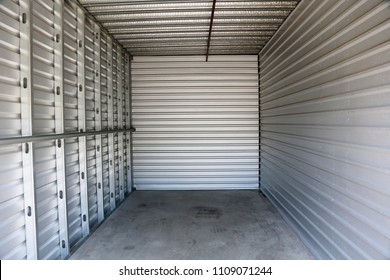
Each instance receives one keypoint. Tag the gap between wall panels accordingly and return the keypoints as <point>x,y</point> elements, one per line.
<point>65,150</point>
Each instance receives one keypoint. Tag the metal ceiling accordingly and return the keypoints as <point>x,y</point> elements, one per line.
<point>158,27</point>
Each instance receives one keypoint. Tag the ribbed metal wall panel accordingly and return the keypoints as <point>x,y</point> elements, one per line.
<point>51,191</point>
<point>10,124</point>
<point>115,82</point>
<point>127,141</point>
<point>89,54</point>
<point>12,221</point>
<point>70,68</point>
<point>115,96</point>
<point>48,227</point>
<point>43,66</point>
<point>106,174</point>
<point>90,111</point>
<point>103,80</point>
<point>92,181</point>
<point>117,167</point>
<point>196,122</point>
<point>73,190</point>
<point>325,97</point>
<point>105,70</point>
<point>71,119</point>
<point>45,164</point>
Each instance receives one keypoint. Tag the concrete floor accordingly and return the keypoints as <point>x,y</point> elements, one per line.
<point>194,225</point>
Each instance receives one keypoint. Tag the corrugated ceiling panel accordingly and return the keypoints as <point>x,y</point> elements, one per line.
<point>325,104</point>
<point>153,27</point>
<point>196,122</point>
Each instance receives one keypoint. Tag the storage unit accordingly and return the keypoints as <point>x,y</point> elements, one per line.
<point>100,98</point>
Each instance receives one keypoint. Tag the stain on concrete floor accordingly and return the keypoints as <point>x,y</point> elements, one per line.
<point>194,225</point>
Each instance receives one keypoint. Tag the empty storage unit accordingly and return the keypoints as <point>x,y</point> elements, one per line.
<point>102,98</point>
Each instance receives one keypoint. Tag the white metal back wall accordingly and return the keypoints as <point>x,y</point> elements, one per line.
<point>325,97</point>
<point>196,122</point>
<point>54,142</point>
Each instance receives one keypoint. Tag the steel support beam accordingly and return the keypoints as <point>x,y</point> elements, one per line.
<point>81,120</point>
<point>98,125</point>
<point>121,97</point>
<point>59,125</point>
<point>26,120</point>
<point>128,122</point>
<point>210,30</point>
<point>110,124</point>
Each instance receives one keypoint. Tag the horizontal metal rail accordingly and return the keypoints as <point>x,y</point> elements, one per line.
<point>37,138</point>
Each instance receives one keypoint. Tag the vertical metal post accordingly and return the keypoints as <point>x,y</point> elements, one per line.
<point>110,123</point>
<point>128,122</point>
<point>131,123</point>
<point>81,120</point>
<point>26,120</point>
<point>120,91</point>
<point>98,125</point>
<point>259,116</point>
<point>59,124</point>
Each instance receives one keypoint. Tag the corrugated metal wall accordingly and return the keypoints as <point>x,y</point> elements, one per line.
<point>12,218</point>
<point>196,122</point>
<point>56,95</point>
<point>325,150</point>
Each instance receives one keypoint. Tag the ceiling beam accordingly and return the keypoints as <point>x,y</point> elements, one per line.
<point>210,29</point>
